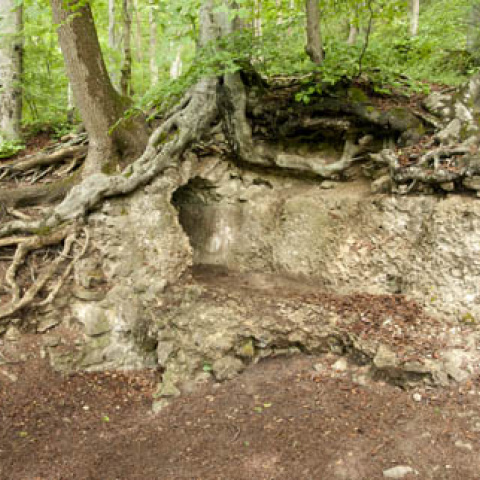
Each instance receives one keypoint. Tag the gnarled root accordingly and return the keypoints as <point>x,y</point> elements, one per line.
<point>27,245</point>
<point>164,150</point>
<point>232,105</point>
<point>435,167</point>
<point>58,162</point>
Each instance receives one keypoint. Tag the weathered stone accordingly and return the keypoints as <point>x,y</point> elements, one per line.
<point>473,183</point>
<point>340,365</point>
<point>12,334</point>
<point>95,321</point>
<point>88,295</point>
<point>385,358</point>
<point>159,405</point>
<point>382,184</point>
<point>164,350</point>
<point>227,368</point>
<point>47,323</point>
<point>448,186</point>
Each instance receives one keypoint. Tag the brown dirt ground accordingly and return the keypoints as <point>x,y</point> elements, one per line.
<point>281,419</point>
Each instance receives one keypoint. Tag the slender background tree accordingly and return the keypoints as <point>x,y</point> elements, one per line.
<point>11,52</point>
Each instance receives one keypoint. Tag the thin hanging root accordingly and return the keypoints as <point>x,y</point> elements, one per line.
<point>30,244</point>
<point>66,273</point>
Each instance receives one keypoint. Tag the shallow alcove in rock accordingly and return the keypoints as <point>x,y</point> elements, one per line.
<point>210,225</point>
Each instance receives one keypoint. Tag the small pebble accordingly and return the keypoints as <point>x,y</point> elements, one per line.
<point>398,472</point>
<point>340,365</point>
<point>417,397</point>
<point>464,446</point>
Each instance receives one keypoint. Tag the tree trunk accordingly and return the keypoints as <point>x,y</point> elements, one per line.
<point>126,71</point>
<point>153,44</point>
<point>70,105</point>
<point>99,104</point>
<point>278,4</point>
<point>11,50</point>
<point>176,67</point>
<point>352,34</point>
<point>415,16</point>
<point>314,47</point>
<point>257,21</point>
<point>112,41</point>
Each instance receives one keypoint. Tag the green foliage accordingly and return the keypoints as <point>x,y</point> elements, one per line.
<point>9,149</point>
<point>446,50</point>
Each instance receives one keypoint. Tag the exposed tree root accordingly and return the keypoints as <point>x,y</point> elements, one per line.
<point>44,159</point>
<point>24,196</point>
<point>232,104</point>
<point>18,301</point>
<point>435,167</point>
<point>66,273</point>
<point>164,150</point>
<point>32,169</point>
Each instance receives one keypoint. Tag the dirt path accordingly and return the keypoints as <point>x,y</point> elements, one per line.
<point>290,418</point>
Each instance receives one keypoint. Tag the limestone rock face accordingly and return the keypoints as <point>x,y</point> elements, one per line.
<point>349,240</point>
<point>343,241</point>
<point>140,248</point>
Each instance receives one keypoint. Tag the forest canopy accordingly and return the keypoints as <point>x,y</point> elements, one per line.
<point>165,59</point>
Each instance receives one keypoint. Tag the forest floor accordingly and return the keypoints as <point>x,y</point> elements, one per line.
<point>298,417</point>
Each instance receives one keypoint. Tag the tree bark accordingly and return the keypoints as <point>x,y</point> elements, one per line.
<point>99,104</point>
<point>153,44</point>
<point>176,66</point>
<point>11,50</point>
<point>314,47</point>
<point>126,71</point>
<point>353,31</point>
<point>112,41</point>
<point>415,16</point>
<point>257,21</point>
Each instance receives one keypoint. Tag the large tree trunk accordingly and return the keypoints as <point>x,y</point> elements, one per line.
<point>99,104</point>
<point>11,49</point>
<point>314,47</point>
